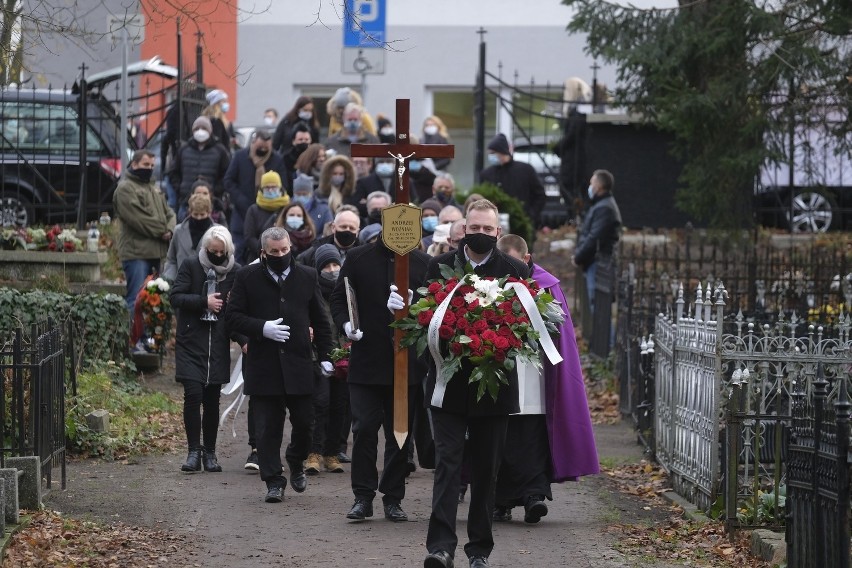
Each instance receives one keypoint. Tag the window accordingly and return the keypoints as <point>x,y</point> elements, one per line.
<point>43,128</point>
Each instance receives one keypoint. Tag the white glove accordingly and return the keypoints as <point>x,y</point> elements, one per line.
<point>327,368</point>
<point>353,334</point>
<point>276,331</point>
<point>395,300</point>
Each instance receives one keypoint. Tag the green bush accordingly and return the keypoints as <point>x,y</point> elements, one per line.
<point>100,322</point>
<point>136,416</point>
<point>519,221</point>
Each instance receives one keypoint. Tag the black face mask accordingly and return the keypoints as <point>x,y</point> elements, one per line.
<point>480,243</point>
<point>375,216</point>
<point>299,148</point>
<point>144,174</point>
<point>277,264</point>
<point>345,238</point>
<point>216,260</point>
<point>262,151</point>
<point>199,224</point>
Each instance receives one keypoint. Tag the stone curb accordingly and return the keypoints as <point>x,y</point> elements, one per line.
<point>765,544</point>
<point>11,530</point>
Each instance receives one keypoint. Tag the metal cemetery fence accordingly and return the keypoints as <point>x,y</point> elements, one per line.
<point>32,400</point>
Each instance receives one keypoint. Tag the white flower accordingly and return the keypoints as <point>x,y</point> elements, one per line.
<point>470,297</point>
<point>163,285</point>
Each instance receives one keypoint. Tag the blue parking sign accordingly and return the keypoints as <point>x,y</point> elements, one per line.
<point>364,23</point>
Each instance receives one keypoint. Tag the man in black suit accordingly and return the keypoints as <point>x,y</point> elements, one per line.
<point>370,271</point>
<point>485,420</point>
<point>275,303</point>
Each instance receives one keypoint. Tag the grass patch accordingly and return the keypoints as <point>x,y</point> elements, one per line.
<point>140,421</point>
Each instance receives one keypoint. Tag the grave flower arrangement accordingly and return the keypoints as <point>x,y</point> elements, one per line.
<point>55,239</point>
<point>489,322</point>
<point>156,314</point>
<point>340,360</point>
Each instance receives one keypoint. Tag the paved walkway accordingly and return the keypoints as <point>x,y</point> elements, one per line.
<point>229,525</point>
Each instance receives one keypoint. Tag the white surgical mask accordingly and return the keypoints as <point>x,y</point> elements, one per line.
<point>493,159</point>
<point>431,130</point>
<point>201,136</point>
<point>305,114</point>
<point>294,221</point>
<point>387,131</point>
<point>226,106</point>
<point>268,120</point>
<point>591,192</point>
<point>384,169</point>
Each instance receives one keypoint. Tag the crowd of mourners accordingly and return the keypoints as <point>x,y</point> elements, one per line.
<point>255,242</point>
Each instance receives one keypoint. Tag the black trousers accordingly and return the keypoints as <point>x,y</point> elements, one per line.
<point>372,408</point>
<point>252,441</point>
<point>330,396</point>
<point>197,395</point>
<point>525,469</point>
<point>487,435</point>
<point>269,413</point>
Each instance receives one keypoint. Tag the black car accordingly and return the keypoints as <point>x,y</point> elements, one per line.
<point>41,177</point>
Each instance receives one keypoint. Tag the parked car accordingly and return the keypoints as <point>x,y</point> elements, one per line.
<point>537,152</point>
<point>41,132</point>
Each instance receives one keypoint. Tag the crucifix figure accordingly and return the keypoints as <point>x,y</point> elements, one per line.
<point>402,150</point>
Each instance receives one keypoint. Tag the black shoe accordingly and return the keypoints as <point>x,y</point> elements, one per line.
<point>360,510</point>
<point>210,462</point>
<point>193,461</point>
<point>478,562</point>
<point>251,462</point>
<point>394,512</point>
<point>298,479</point>
<point>343,458</point>
<point>502,514</point>
<point>412,467</point>
<point>274,494</point>
<point>535,509</point>
<point>438,559</point>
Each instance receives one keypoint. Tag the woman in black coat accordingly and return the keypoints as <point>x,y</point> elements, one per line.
<point>202,348</point>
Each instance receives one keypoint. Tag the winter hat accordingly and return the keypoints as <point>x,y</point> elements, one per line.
<point>369,232</point>
<point>270,178</point>
<point>202,122</point>
<point>432,205</point>
<point>303,184</point>
<point>215,96</point>
<point>442,233</point>
<point>499,144</point>
<point>324,255</point>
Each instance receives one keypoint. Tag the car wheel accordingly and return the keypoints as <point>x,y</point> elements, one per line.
<point>15,211</point>
<point>811,212</point>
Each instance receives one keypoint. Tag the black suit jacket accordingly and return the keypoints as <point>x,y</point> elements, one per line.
<point>460,397</point>
<point>370,269</point>
<point>272,368</point>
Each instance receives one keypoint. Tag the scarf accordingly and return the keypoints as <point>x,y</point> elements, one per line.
<point>259,165</point>
<point>197,230</point>
<point>268,204</point>
<point>301,238</point>
<point>221,271</point>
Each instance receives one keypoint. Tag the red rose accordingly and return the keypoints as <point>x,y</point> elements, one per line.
<point>449,318</point>
<point>445,332</point>
<point>434,287</point>
<point>457,301</point>
<point>487,314</point>
<point>52,246</point>
<point>456,348</point>
<point>69,246</point>
<point>500,356</point>
<point>475,342</point>
<point>450,284</point>
<point>501,343</point>
<point>473,305</point>
<point>466,289</point>
<point>504,331</point>
<point>514,341</point>
<point>480,325</point>
<point>424,317</point>
<point>440,297</point>
<point>489,335</point>
<point>509,319</point>
<point>506,306</point>
<point>462,323</point>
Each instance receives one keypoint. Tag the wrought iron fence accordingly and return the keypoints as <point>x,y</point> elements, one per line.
<point>32,400</point>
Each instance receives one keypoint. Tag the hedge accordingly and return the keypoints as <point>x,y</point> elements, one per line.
<point>519,221</point>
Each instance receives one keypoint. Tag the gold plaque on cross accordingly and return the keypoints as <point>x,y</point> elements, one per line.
<point>401,231</point>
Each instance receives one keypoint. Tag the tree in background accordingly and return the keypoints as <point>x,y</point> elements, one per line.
<point>730,79</point>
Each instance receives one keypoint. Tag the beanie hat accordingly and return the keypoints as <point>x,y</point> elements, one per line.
<point>369,232</point>
<point>303,183</point>
<point>215,96</point>
<point>270,178</point>
<point>499,144</point>
<point>324,255</point>
<point>442,233</point>
<point>202,122</point>
<point>432,205</point>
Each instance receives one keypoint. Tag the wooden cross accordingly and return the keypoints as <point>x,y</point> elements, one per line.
<point>401,151</point>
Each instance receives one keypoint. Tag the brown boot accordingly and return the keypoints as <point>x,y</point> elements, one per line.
<point>332,464</point>
<point>313,464</point>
